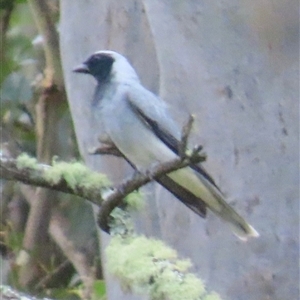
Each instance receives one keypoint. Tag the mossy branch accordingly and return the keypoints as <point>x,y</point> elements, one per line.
<point>72,178</point>
<point>142,265</point>
<point>75,178</point>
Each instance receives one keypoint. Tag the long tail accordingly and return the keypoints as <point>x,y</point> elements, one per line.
<point>239,226</point>
<point>208,193</point>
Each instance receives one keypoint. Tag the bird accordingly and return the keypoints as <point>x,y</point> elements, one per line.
<point>140,125</point>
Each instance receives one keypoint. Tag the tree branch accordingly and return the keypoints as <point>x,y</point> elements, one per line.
<point>114,199</point>
<point>37,175</point>
<point>94,193</point>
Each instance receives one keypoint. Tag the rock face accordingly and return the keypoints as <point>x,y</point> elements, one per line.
<point>234,65</point>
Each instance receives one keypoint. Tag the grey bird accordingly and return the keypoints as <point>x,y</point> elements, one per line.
<point>139,124</point>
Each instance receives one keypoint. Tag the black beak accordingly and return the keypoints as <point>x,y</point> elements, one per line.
<point>83,68</point>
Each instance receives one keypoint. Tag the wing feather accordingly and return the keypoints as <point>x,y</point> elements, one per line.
<point>153,113</point>
<point>153,119</point>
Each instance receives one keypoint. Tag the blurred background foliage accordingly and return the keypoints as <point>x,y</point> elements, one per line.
<point>20,66</point>
<point>73,240</point>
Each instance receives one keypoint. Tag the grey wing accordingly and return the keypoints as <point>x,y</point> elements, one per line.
<point>153,112</point>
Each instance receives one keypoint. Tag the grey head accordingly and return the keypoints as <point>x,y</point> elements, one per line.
<point>108,66</point>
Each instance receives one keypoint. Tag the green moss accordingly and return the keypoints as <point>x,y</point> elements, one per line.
<point>172,286</point>
<point>131,259</point>
<point>135,200</point>
<point>121,222</point>
<point>212,296</point>
<point>25,161</point>
<point>75,174</point>
<point>183,265</point>
<point>149,266</point>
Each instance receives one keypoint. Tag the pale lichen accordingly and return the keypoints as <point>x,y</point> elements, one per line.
<point>25,161</point>
<point>150,267</point>
<point>75,174</point>
<point>212,296</point>
<point>135,200</point>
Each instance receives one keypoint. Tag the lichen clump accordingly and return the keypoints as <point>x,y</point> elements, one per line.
<point>25,161</point>
<point>135,200</point>
<point>148,266</point>
<point>75,174</point>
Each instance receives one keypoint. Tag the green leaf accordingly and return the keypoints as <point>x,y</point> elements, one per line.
<point>7,67</point>
<point>99,289</point>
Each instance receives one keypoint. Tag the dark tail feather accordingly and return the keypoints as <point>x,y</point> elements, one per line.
<point>186,197</point>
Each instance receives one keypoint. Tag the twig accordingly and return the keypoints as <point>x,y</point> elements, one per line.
<point>185,133</point>
<point>116,197</point>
